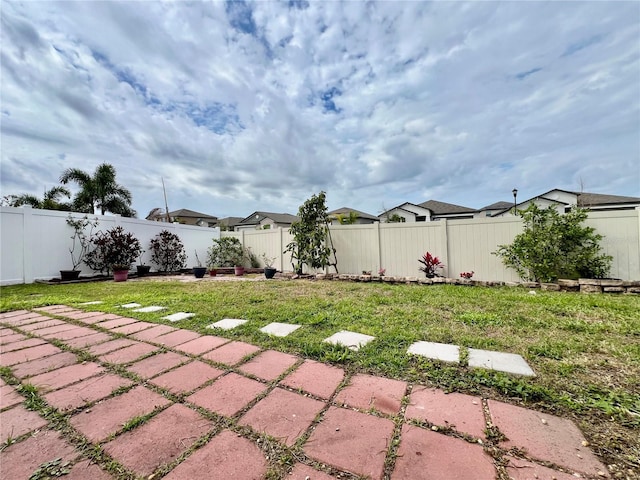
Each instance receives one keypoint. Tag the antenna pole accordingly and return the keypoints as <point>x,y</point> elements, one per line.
<point>166,205</point>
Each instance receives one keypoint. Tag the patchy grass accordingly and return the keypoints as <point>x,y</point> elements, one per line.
<point>585,349</point>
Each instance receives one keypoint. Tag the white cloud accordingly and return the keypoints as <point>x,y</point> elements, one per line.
<point>256,106</point>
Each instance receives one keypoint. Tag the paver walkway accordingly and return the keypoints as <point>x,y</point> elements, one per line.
<point>122,397</point>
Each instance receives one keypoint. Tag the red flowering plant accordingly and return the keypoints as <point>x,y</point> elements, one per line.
<point>431,265</point>
<point>467,274</point>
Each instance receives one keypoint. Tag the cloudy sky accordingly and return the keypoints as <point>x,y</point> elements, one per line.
<point>245,106</point>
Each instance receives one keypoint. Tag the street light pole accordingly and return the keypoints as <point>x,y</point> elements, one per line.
<point>515,203</point>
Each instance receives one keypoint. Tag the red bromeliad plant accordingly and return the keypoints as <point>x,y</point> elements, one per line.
<point>467,274</point>
<point>431,265</point>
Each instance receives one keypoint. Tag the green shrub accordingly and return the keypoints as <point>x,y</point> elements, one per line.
<point>555,246</point>
<point>167,252</point>
<point>226,252</point>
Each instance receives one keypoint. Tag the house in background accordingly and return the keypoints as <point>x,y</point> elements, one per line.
<point>360,218</point>
<point>266,220</point>
<point>428,211</point>
<point>493,209</point>
<point>184,216</point>
<point>564,200</point>
<point>229,223</point>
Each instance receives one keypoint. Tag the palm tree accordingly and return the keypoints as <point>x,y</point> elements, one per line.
<point>99,191</point>
<point>50,200</point>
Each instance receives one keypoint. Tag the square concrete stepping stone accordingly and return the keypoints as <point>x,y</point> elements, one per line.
<point>315,378</point>
<point>160,440</point>
<point>443,457</point>
<point>131,305</point>
<point>436,351</point>
<point>228,395</point>
<point>233,457</point>
<point>156,364</point>
<point>42,365</point>
<point>282,414</point>
<point>351,340</point>
<point>545,437</point>
<point>176,317</point>
<point>187,377</point>
<point>367,392</point>
<point>523,470</point>
<point>64,376</point>
<point>201,345</point>
<point>128,354</point>
<point>227,323</point>
<point>27,354</point>
<point>463,413</point>
<point>95,302</point>
<point>20,460</point>
<point>176,338</point>
<point>269,365</point>
<point>231,353</point>
<point>86,391</point>
<point>16,422</point>
<point>502,362</point>
<point>352,441</point>
<point>150,309</point>
<point>108,417</point>
<point>279,329</point>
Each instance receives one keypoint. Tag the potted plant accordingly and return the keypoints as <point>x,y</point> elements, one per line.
<point>199,270</point>
<point>431,265</point>
<point>141,268</point>
<point>269,270</point>
<point>78,239</point>
<point>167,252</point>
<point>114,250</point>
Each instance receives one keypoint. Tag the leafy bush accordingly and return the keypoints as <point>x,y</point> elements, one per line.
<point>225,252</point>
<point>167,252</point>
<point>431,265</point>
<point>555,246</point>
<point>114,249</point>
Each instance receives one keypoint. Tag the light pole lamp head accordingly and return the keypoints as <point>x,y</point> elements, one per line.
<point>515,192</point>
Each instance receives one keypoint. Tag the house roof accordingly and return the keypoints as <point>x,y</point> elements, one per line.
<point>442,208</point>
<point>497,206</point>
<point>230,221</point>
<point>256,217</point>
<point>347,211</point>
<point>184,212</point>
<point>585,199</point>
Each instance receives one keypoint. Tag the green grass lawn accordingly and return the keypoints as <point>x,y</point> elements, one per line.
<point>585,349</point>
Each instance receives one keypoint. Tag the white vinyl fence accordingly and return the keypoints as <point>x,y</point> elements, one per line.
<point>462,245</point>
<point>35,243</point>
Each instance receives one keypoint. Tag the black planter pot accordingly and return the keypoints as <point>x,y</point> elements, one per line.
<point>269,272</point>
<point>68,275</point>
<point>199,271</point>
<point>143,270</point>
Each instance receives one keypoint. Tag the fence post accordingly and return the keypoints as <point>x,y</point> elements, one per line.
<point>280,240</point>
<point>445,243</point>
<point>27,244</point>
<point>376,227</point>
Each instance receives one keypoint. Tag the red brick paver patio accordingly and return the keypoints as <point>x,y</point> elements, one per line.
<point>143,400</point>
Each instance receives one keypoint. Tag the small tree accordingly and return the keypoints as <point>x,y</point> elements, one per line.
<point>80,238</point>
<point>311,235</point>
<point>225,252</point>
<point>167,252</point>
<point>114,249</point>
<point>555,246</point>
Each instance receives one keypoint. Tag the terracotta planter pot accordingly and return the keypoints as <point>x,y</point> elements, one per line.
<point>239,271</point>
<point>213,272</point>
<point>120,275</point>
